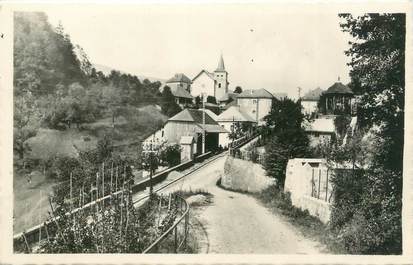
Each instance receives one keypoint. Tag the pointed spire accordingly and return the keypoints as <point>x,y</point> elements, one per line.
<point>221,66</point>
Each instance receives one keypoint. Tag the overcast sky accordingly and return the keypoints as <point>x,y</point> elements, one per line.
<point>263,46</point>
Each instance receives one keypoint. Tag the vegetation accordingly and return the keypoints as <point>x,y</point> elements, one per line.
<point>169,106</point>
<point>368,200</point>
<point>238,90</point>
<point>285,138</point>
<point>280,203</point>
<point>171,155</point>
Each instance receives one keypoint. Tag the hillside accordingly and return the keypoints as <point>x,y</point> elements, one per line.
<point>106,71</point>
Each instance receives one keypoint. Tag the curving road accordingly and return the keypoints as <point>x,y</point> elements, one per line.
<point>236,223</point>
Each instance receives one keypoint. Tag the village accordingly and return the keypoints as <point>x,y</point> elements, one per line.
<point>107,161</point>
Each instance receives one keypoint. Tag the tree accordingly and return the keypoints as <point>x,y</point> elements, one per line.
<point>169,106</point>
<point>372,223</point>
<point>172,155</point>
<point>211,99</point>
<point>112,99</point>
<point>150,162</point>
<point>24,124</point>
<point>285,137</point>
<point>377,74</point>
<point>238,90</point>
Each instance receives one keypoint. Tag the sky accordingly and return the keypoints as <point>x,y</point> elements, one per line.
<point>264,46</point>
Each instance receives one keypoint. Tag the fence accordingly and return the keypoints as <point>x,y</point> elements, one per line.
<point>33,234</point>
<point>175,237</point>
<point>321,187</point>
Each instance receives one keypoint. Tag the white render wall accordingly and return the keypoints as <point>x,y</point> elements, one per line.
<point>203,84</point>
<point>301,181</point>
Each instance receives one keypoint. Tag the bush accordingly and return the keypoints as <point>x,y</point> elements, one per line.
<point>61,167</point>
<point>171,155</point>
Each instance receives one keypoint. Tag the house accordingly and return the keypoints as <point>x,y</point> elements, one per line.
<point>227,99</point>
<point>256,103</point>
<point>211,83</point>
<point>234,118</point>
<point>320,130</point>
<point>180,86</point>
<point>189,122</point>
<point>310,100</point>
<point>154,141</point>
<point>337,100</point>
<point>188,146</point>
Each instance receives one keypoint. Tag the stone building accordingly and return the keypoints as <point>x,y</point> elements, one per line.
<point>256,103</point>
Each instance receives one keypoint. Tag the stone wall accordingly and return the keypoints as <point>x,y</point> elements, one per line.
<point>244,176</point>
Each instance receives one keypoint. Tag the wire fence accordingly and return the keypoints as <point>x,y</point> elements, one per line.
<point>174,239</point>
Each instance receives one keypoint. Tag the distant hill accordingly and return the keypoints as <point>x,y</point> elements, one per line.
<point>106,70</point>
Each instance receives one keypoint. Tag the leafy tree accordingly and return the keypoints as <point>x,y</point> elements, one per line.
<point>211,99</point>
<point>169,106</point>
<point>372,224</point>
<point>171,155</point>
<point>377,73</point>
<point>198,102</point>
<point>238,90</point>
<point>24,124</point>
<point>285,137</point>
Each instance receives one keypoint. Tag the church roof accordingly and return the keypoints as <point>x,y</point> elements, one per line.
<point>227,96</point>
<point>179,78</point>
<point>209,74</point>
<point>256,93</point>
<point>338,88</point>
<point>221,66</point>
<point>234,114</point>
<point>312,95</point>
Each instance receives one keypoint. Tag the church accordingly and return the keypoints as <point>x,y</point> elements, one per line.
<point>212,83</point>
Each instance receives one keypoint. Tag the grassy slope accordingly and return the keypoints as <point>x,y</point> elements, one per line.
<point>48,143</point>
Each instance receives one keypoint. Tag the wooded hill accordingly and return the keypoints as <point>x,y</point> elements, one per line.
<point>56,88</point>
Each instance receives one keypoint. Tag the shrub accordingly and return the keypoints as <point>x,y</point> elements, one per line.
<point>171,155</point>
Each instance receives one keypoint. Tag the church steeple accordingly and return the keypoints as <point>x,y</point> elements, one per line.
<point>221,66</point>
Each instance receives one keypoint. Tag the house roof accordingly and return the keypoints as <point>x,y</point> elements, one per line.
<point>181,92</point>
<point>312,95</point>
<point>186,140</point>
<point>322,125</point>
<point>232,103</point>
<point>209,74</point>
<point>211,114</point>
<point>256,93</point>
<point>338,88</point>
<point>179,78</point>
<point>221,66</point>
<point>234,114</point>
<point>195,116</point>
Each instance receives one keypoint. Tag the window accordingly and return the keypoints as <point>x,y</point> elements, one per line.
<point>219,85</point>
<point>162,133</point>
<point>254,101</point>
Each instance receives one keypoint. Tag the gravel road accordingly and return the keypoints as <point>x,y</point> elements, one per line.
<point>236,223</point>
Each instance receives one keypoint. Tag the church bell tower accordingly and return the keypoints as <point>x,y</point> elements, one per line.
<point>221,80</point>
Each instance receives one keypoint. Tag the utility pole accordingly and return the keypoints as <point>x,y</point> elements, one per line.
<point>203,123</point>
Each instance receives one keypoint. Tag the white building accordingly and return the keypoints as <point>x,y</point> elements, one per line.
<point>211,83</point>
<point>231,118</point>
<point>310,100</point>
<point>320,130</point>
<point>256,103</point>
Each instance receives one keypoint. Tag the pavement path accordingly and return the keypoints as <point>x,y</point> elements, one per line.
<point>238,224</point>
